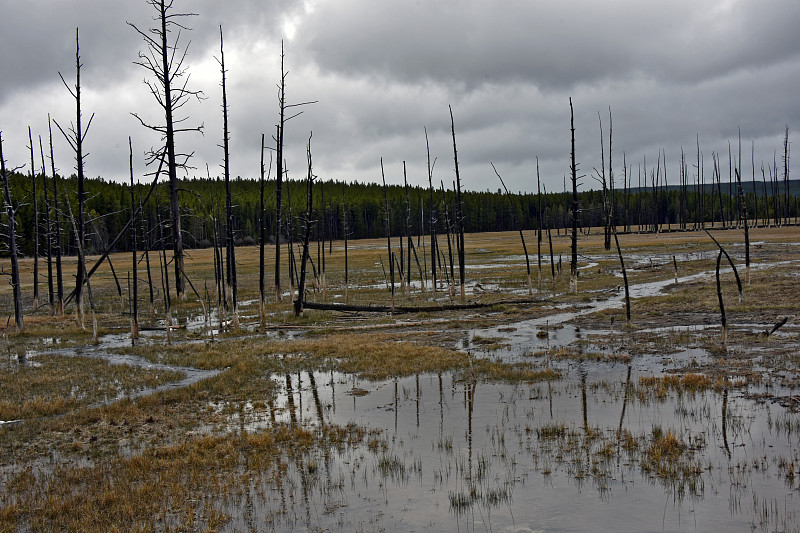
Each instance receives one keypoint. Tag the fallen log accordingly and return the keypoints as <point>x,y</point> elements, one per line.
<point>416,309</point>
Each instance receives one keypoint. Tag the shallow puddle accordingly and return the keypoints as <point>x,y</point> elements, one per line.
<point>577,454</point>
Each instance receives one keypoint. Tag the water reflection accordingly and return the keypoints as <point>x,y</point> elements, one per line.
<point>477,455</point>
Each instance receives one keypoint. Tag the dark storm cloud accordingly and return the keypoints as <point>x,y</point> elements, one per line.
<point>551,44</point>
<point>382,70</point>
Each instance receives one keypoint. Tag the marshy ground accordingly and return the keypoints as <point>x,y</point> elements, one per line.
<point>552,413</point>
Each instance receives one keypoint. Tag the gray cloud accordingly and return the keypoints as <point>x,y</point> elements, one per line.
<point>383,70</point>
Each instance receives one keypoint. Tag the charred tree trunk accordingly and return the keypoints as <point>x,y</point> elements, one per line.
<point>513,208</point>
<point>75,138</point>
<point>388,232</point>
<point>48,234</point>
<point>459,213</point>
<point>35,227</point>
<point>262,240</point>
<point>231,245</point>
<point>135,299</point>
<point>12,245</point>
<point>298,304</point>
<point>57,225</point>
<point>573,265</point>
<point>432,217</point>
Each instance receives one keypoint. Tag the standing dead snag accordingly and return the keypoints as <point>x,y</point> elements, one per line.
<point>721,305</point>
<point>459,212</point>
<point>135,299</point>
<point>75,138</point>
<point>513,208</point>
<point>298,304</point>
<point>12,243</point>
<point>164,60</point>
<point>431,216</point>
<point>388,232</point>
<point>624,275</point>
<point>35,227</point>
<point>57,224</point>
<point>230,248</point>
<point>573,265</point>
<point>262,230</point>
<point>733,266</point>
<point>48,234</point>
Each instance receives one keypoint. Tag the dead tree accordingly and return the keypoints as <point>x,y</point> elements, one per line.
<point>459,213</point>
<point>262,230</point>
<point>231,247</point>
<point>730,262</point>
<point>388,231</point>
<point>57,225</point>
<point>75,138</point>
<point>164,59</point>
<point>280,170</point>
<point>35,227</point>
<point>345,231</point>
<point>48,234</point>
<point>135,299</point>
<point>539,218</point>
<point>298,304</point>
<point>624,276</point>
<point>743,213</point>
<point>11,212</point>
<point>573,265</point>
<point>513,208</point>
<point>721,304</point>
<point>431,215</point>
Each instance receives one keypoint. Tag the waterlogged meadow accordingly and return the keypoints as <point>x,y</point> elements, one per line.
<point>543,415</point>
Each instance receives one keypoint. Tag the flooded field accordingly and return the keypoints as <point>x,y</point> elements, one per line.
<point>550,415</point>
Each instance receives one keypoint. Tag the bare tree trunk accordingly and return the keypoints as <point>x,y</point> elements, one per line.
<point>298,304</point>
<point>231,248</point>
<point>624,276</point>
<point>346,265</point>
<point>48,234</point>
<point>721,305</point>
<point>513,208</point>
<point>12,244</point>
<point>75,138</point>
<point>459,214</point>
<point>134,266</point>
<point>388,232</point>
<point>35,227</point>
<point>57,224</point>
<point>262,240</point>
<point>539,229</point>
<point>573,265</point>
<point>431,214</point>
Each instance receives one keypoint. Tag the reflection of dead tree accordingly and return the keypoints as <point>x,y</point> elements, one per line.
<point>12,242</point>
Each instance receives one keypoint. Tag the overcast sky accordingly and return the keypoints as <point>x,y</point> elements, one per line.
<point>383,70</point>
